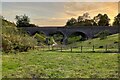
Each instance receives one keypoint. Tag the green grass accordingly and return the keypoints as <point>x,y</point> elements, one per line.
<point>110,44</point>
<point>49,64</point>
<point>66,64</point>
<point>109,41</point>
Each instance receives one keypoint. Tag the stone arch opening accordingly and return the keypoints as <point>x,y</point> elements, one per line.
<point>40,33</point>
<point>76,37</point>
<point>58,36</point>
<point>41,37</point>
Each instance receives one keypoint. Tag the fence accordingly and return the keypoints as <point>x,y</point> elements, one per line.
<point>80,49</point>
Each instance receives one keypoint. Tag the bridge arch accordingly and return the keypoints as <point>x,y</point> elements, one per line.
<point>40,37</point>
<point>56,32</point>
<point>40,32</point>
<point>80,35</point>
<point>58,36</point>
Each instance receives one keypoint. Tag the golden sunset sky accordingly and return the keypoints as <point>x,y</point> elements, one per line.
<point>57,13</point>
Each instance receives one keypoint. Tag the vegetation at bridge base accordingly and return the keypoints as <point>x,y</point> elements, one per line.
<point>111,41</point>
<point>73,38</point>
<point>58,38</point>
<point>103,34</point>
<point>41,39</point>
<point>15,39</point>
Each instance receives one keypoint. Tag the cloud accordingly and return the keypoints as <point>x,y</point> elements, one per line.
<point>57,13</point>
<point>50,21</point>
<point>78,7</point>
<point>93,8</point>
<point>70,13</point>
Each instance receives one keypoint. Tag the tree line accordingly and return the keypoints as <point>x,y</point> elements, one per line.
<point>99,20</point>
<point>84,20</point>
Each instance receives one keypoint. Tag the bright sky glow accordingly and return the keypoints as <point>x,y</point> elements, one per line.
<point>57,13</point>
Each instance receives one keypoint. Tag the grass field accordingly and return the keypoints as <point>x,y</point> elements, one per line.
<point>65,64</point>
<point>48,64</point>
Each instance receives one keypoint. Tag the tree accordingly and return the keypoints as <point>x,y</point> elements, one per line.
<point>97,18</point>
<point>86,16</point>
<point>101,20</point>
<point>22,20</point>
<point>71,22</point>
<point>116,20</point>
<point>80,18</point>
<point>83,20</point>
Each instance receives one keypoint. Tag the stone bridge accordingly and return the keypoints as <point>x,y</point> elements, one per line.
<point>86,32</point>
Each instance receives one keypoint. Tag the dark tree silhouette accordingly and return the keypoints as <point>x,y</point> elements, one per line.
<point>116,20</point>
<point>80,18</point>
<point>22,20</point>
<point>101,20</point>
<point>83,20</point>
<point>71,22</point>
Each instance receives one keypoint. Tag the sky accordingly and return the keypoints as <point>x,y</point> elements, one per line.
<point>57,13</point>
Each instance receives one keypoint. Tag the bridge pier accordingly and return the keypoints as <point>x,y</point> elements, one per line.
<point>65,40</point>
<point>47,40</point>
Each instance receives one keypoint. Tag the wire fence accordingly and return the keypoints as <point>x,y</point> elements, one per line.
<point>80,49</point>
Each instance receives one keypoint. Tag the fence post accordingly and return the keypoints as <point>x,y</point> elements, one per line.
<point>52,48</point>
<point>61,48</point>
<point>93,48</point>
<point>71,49</point>
<point>81,49</point>
<point>106,48</point>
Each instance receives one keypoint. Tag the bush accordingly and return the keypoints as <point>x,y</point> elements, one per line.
<point>74,38</point>
<point>14,39</point>
<point>103,34</point>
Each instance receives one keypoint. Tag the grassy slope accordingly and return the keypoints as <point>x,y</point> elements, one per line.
<point>97,42</point>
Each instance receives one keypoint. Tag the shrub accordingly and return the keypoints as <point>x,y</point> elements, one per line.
<point>73,39</point>
<point>14,39</point>
<point>103,34</point>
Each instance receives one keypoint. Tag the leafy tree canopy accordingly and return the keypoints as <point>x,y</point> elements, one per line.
<point>23,21</point>
<point>116,20</point>
<point>85,20</point>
